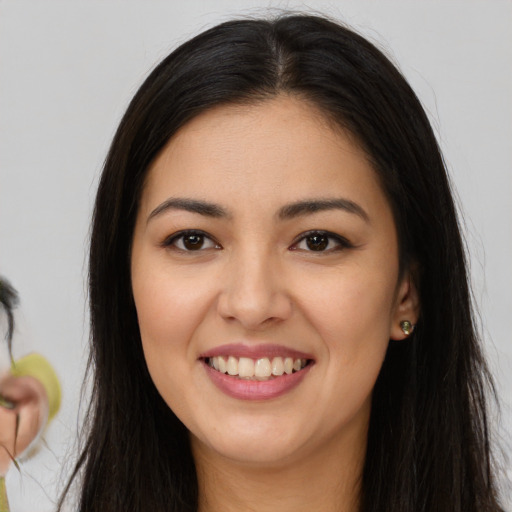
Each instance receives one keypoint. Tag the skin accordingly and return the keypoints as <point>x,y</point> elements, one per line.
<point>31,407</point>
<point>259,282</point>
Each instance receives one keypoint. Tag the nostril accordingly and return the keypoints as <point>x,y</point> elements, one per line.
<point>255,312</point>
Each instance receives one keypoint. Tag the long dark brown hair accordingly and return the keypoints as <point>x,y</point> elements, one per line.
<point>428,441</point>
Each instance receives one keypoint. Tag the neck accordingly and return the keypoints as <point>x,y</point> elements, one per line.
<point>327,478</point>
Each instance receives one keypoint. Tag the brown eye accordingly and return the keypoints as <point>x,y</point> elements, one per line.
<point>190,241</point>
<point>317,242</point>
<point>193,242</point>
<point>321,241</point>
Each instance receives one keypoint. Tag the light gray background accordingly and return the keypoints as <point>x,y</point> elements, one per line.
<point>67,71</point>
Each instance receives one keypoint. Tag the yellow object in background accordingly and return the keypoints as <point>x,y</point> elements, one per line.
<point>35,365</point>
<point>4,504</point>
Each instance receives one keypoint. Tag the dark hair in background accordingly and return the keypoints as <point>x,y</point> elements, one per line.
<point>8,301</point>
<point>428,441</point>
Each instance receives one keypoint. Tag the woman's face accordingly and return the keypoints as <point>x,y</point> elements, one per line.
<point>266,280</point>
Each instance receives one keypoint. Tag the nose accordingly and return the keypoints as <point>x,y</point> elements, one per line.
<point>254,292</point>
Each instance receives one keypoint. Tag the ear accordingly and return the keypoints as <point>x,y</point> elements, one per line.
<point>407,306</point>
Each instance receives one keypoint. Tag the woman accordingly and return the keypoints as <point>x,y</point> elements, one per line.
<point>279,300</point>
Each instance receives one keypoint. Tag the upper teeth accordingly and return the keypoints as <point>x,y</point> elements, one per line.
<point>263,368</point>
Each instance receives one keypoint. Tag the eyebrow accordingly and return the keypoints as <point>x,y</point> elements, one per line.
<point>287,212</point>
<point>189,205</point>
<point>317,205</point>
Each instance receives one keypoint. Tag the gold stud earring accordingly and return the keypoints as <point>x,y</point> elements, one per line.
<point>406,327</point>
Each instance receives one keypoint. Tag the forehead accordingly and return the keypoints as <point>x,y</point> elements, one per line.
<point>275,151</point>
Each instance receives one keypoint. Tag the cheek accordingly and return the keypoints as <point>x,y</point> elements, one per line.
<point>353,315</point>
<point>169,309</point>
<point>353,320</point>
<point>350,304</point>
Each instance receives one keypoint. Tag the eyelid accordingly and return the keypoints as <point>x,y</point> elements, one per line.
<point>341,241</point>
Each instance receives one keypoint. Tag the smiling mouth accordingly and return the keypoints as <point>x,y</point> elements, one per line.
<point>261,369</point>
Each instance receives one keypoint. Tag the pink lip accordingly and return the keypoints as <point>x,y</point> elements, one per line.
<point>254,351</point>
<point>254,389</point>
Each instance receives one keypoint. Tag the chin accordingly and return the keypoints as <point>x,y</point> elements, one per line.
<point>267,444</point>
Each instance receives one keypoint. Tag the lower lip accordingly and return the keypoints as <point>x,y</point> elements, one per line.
<point>255,389</point>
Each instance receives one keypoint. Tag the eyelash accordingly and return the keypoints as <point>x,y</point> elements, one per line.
<point>339,241</point>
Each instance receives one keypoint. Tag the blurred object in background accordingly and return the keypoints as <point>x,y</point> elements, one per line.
<point>29,396</point>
